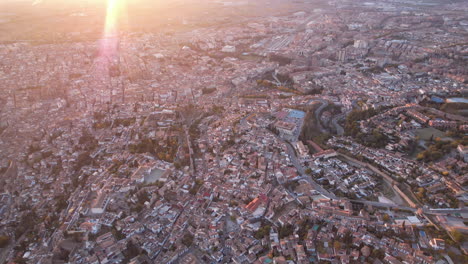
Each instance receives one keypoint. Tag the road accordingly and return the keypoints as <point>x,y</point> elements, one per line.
<point>189,123</point>
<point>339,129</point>
<point>274,75</point>
<point>301,170</point>
<point>243,120</point>
<point>318,112</point>
<point>189,144</point>
<point>449,260</point>
<point>445,211</point>
<point>379,204</point>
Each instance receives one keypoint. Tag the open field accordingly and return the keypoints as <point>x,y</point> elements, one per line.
<point>427,133</point>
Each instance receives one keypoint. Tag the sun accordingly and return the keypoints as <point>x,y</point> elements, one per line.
<point>114,12</point>
<point>115,16</point>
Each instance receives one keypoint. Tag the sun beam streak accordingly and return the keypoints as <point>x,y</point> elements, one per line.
<point>110,38</point>
<point>112,14</point>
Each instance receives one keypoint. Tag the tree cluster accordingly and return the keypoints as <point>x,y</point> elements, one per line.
<point>282,60</point>
<point>87,141</point>
<point>285,231</point>
<point>84,159</point>
<point>124,121</point>
<point>208,90</point>
<point>311,130</point>
<point>187,240</point>
<point>196,187</point>
<point>163,152</point>
<point>262,232</point>
<point>375,139</point>
<point>4,240</point>
<point>437,150</point>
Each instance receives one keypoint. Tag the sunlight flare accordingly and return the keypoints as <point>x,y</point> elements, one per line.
<point>110,38</point>
<point>114,8</point>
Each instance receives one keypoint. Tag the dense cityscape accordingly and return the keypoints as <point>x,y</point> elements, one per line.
<point>307,132</point>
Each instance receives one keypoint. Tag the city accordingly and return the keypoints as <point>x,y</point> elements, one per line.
<point>238,132</point>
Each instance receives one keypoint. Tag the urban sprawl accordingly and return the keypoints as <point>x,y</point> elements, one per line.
<point>336,134</point>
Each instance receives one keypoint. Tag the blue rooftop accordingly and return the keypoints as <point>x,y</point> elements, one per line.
<point>436,99</point>
<point>422,233</point>
<point>296,114</point>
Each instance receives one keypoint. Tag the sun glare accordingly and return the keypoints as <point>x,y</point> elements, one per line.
<point>114,15</point>
<point>114,10</point>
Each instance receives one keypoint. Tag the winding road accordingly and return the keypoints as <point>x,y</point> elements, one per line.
<point>274,74</point>
<point>318,112</point>
<point>338,128</point>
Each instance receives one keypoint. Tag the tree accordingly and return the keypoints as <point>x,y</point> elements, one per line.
<point>187,240</point>
<point>61,203</point>
<point>208,90</point>
<point>285,231</point>
<point>386,218</point>
<point>196,187</point>
<point>421,193</point>
<point>143,197</point>
<point>4,241</point>
<point>378,254</point>
<point>19,260</point>
<point>262,232</point>
<point>132,250</point>
<point>457,236</point>
<point>348,238</point>
<point>83,159</point>
<point>337,245</point>
<point>118,234</point>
